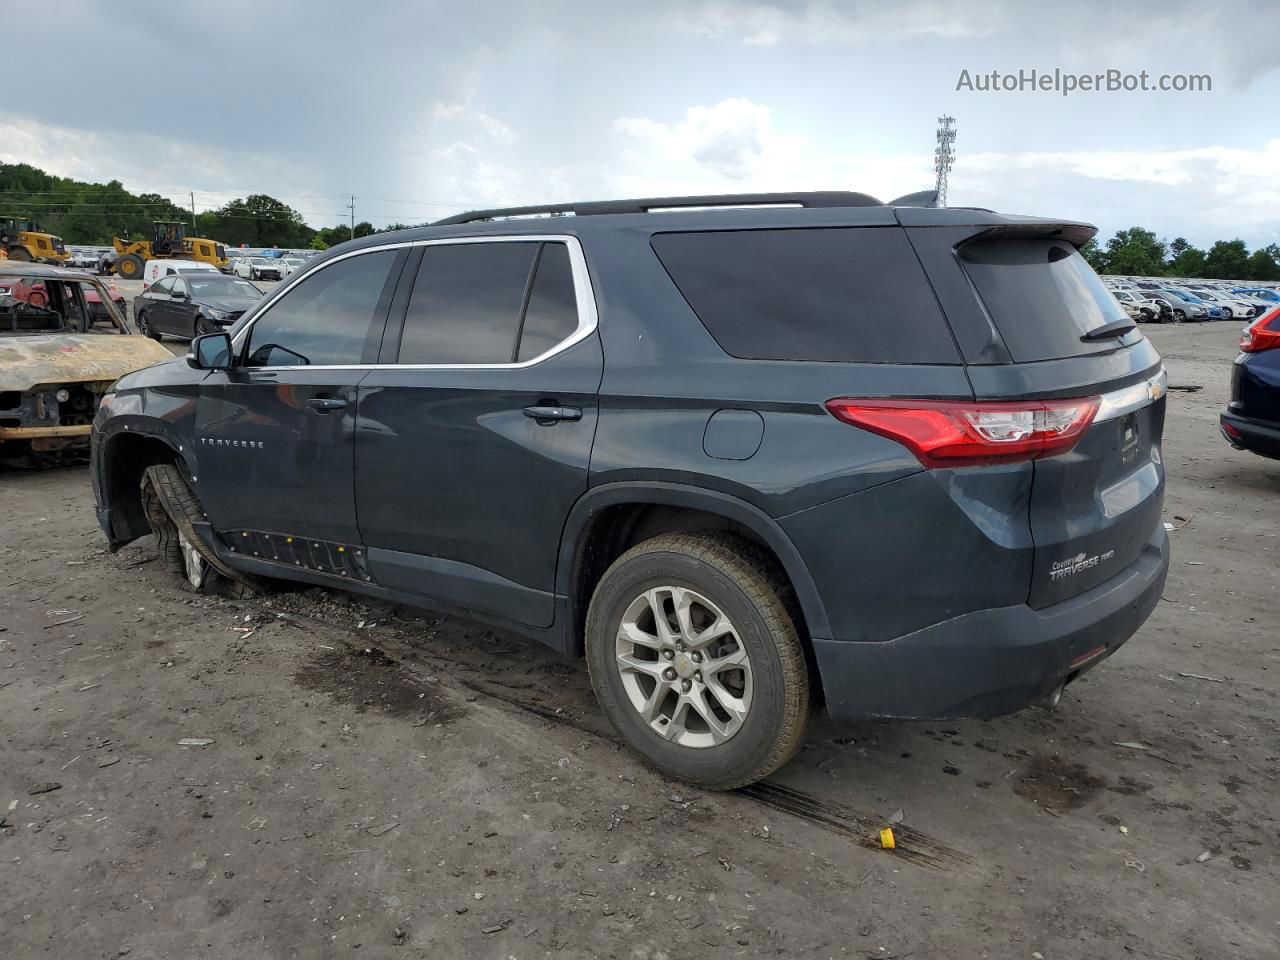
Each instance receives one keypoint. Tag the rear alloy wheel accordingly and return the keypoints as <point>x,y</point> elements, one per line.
<point>696,660</point>
<point>144,326</point>
<point>1179,316</point>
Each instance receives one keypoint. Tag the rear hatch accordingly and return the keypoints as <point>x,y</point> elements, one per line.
<point>1036,322</point>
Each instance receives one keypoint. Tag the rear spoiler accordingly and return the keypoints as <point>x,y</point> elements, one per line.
<point>1076,234</point>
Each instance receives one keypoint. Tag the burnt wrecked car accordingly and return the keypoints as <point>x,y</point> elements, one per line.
<point>63,342</point>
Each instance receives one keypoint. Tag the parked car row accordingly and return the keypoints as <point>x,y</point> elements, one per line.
<point>1166,300</point>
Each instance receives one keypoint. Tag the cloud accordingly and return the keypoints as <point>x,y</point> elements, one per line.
<point>466,112</point>
<point>836,24</point>
<point>729,138</point>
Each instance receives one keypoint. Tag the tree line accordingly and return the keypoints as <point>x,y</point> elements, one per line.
<point>94,213</point>
<point>1137,252</point>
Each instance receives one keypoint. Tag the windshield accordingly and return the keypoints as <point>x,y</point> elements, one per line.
<point>220,286</point>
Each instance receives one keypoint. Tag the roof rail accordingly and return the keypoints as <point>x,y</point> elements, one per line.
<point>823,198</point>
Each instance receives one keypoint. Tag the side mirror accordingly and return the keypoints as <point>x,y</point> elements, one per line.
<point>178,295</point>
<point>211,352</point>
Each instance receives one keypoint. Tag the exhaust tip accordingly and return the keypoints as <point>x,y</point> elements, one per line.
<point>1051,699</point>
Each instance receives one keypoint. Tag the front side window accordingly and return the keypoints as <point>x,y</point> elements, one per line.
<point>327,318</point>
<point>164,286</point>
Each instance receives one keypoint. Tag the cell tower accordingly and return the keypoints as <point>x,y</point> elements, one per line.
<point>944,155</point>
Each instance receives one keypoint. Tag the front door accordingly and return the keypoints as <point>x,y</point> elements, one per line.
<point>474,442</point>
<point>275,433</point>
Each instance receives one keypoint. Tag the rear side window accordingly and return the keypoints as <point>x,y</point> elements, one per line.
<point>851,294</point>
<point>1041,295</point>
<point>326,318</point>
<point>466,302</point>
<point>489,303</point>
<point>552,313</point>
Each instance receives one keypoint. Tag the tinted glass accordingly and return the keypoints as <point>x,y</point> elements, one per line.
<point>164,286</point>
<point>843,294</point>
<point>1042,297</point>
<point>552,314</point>
<point>465,306</point>
<point>326,318</point>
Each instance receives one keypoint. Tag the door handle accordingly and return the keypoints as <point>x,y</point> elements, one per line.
<point>545,414</point>
<point>325,404</point>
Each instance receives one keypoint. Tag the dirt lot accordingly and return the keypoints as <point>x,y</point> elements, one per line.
<point>370,784</point>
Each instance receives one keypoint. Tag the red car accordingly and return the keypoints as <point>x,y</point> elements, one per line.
<point>36,295</point>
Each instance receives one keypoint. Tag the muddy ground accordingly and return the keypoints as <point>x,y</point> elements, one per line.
<point>364,782</point>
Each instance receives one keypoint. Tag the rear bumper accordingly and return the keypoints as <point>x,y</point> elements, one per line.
<point>991,662</point>
<point>1245,433</point>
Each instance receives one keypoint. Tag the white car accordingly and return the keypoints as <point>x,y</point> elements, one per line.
<point>1142,306</point>
<point>289,264</point>
<point>258,268</point>
<point>1232,307</point>
<point>156,269</point>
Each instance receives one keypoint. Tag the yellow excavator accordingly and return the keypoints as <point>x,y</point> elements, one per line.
<point>169,241</point>
<point>23,240</point>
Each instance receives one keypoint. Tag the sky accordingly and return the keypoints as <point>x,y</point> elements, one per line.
<point>423,109</point>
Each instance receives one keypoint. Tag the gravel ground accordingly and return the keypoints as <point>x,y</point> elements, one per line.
<point>310,775</point>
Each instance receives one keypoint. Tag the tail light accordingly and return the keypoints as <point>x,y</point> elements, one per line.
<point>955,434</point>
<point>1263,333</point>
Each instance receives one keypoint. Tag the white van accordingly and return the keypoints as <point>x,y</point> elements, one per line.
<point>156,269</point>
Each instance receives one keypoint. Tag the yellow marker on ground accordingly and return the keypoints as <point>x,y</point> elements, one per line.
<point>886,838</point>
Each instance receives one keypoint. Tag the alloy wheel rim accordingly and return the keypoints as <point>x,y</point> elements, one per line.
<point>684,667</point>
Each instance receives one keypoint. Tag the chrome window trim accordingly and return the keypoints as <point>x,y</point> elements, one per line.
<point>1126,400</point>
<point>588,318</point>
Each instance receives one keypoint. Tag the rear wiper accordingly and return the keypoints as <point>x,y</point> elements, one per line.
<point>1115,328</point>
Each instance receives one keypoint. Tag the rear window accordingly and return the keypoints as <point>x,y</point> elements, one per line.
<point>1042,297</point>
<point>850,294</point>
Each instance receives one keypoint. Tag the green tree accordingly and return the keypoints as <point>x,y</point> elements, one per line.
<point>1264,264</point>
<point>1094,255</point>
<point>1188,263</point>
<point>1178,245</point>
<point>1135,252</point>
<point>317,242</point>
<point>1227,260</point>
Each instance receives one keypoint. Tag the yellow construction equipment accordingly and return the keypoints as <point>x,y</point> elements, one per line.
<point>169,241</point>
<point>23,240</point>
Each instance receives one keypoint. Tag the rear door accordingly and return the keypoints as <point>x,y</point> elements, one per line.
<point>1096,508</point>
<point>474,440</point>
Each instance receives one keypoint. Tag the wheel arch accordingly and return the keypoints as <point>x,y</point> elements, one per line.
<point>121,457</point>
<point>609,518</point>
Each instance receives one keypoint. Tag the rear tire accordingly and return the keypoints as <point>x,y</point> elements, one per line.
<point>129,267</point>
<point>144,327</point>
<point>724,613</point>
<point>19,254</point>
<point>1179,316</point>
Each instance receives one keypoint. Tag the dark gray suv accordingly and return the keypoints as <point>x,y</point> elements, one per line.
<point>770,452</point>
